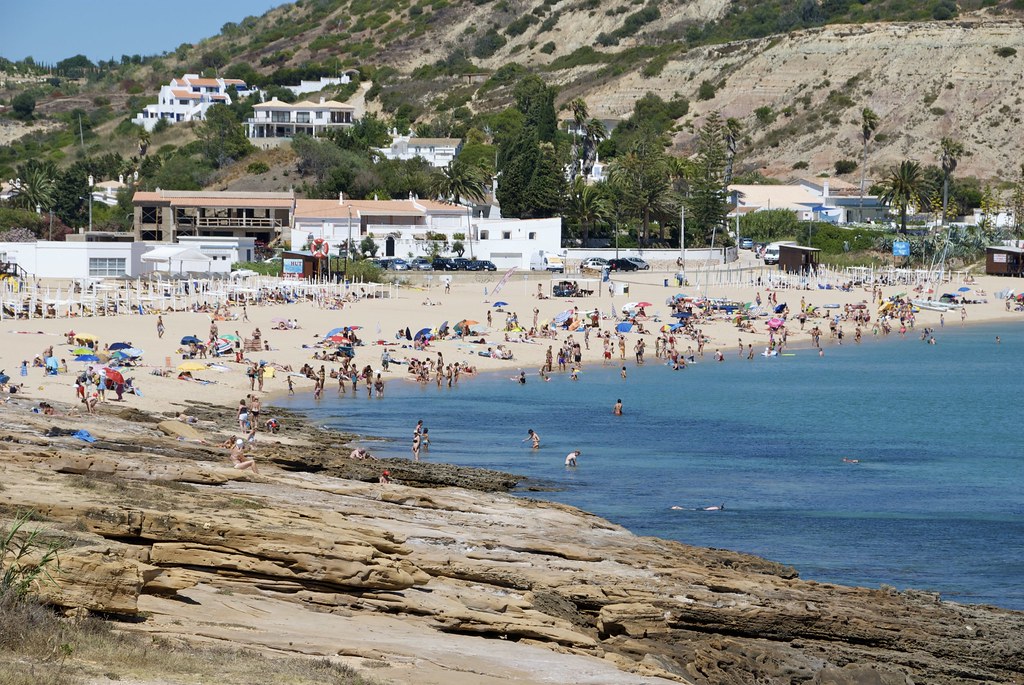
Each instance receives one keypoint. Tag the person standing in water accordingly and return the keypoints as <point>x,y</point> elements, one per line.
<point>617,409</point>
<point>570,459</point>
<point>533,437</point>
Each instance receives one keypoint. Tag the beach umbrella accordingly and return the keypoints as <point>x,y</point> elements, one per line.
<point>189,339</point>
<point>500,304</point>
<point>231,336</point>
<point>192,366</point>
<point>563,316</point>
<point>423,333</point>
<point>333,332</point>
<point>279,320</point>
<point>780,308</point>
<point>86,336</point>
<point>119,346</point>
<point>87,358</point>
<point>629,305</point>
<point>114,375</point>
<point>644,304</point>
<point>478,328</point>
<point>963,289</point>
<point>776,323</point>
<point>81,350</point>
<point>337,339</point>
<point>624,327</point>
<point>681,315</point>
<point>131,352</point>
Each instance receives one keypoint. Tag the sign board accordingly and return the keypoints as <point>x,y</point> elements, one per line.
<point>292,266</point>
<point>900,248</point>
<point>999,257</point>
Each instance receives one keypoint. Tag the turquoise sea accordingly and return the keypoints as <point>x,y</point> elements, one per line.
<point>935,503</point>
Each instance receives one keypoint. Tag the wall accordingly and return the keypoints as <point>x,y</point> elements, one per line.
<point>59,259</point>
<point>660,260</point>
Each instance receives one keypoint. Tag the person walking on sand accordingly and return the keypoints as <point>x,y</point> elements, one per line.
<point>160,326</point>
<point>570,459</point>
<point>533,437</point>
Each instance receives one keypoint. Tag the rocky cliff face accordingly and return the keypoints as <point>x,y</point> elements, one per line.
<point>167,528</point>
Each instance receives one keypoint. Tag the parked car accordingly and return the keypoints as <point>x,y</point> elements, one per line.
<point>460,263</point>
<point>398,264</point>
<point>480,265</point>
<point>622,265</point>
<point>443,264</point>
<point>640,264</point>
<point>421,264</point>
<point>594,263</point>
<point>746,243</point>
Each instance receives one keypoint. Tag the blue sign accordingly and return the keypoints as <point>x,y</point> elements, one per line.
<point>292,266</point>
<point>900,248</point>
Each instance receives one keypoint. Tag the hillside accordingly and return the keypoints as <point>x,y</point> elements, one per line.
<point>799,93</point>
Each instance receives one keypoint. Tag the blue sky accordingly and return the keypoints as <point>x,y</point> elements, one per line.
<point>50,30</point>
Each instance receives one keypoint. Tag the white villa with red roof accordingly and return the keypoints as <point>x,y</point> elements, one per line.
<point>187,98</point>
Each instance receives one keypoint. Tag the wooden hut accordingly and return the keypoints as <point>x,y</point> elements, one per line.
<point>798,259</point>
<point>1001,260</point>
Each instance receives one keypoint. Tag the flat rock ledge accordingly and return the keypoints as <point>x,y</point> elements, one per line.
<point>146,515</point>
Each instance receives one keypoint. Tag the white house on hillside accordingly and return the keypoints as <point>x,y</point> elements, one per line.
<point>820,199</point>
<point>438,152</point>
<point>276,121</point>
<point>187,98</point>
<point>316,86</point>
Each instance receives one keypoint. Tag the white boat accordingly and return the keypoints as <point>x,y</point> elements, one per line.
<point>935,305</point>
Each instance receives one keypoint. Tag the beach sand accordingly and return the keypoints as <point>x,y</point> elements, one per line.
<point>424,304</point>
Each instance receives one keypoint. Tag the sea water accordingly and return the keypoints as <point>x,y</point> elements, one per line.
<point>934,503</point>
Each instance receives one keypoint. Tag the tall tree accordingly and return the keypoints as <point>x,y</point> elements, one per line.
<point>459,180</point>
<point>144,140</point>
<point>642,176</point>
<point>707,201</point>
<point>733,128</point>
<point>545,193</point>
<point>868,124</point>
<point>38,185</point>
<point>587,205</point>
<point>222,137</point>
<point>950,152</point>
<point>905,186</point>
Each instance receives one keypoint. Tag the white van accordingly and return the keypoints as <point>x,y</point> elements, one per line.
<point>771,253</point>
<point>546,261</point>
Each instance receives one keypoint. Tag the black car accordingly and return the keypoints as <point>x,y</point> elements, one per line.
<point>487,265</point>
<point>460,264</point>
<point>622,265</point>
<point>473,265</point>
<point>443,264</point>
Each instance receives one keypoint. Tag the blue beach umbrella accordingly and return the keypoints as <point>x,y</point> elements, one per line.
<point>87,358</point>
<point>119,346</point>
<point>334,331</point>
<point>964,289</point>
<point>563,317</point>
<point>500,304</point>
<point>189,339</point>
<point>624,327</point>
<point>423,333</point>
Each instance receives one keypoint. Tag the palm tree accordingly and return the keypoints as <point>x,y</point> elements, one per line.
<point>459,180</point>
<point>144,140</point>
<point>587,206</point>
<point>868,123</point>
<point>733,128</point>
<point>38,186</point>
<point>950,152</point>
<point>905,186</point>
<point>641,176</point>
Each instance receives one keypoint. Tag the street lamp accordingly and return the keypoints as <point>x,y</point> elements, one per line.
<point>348,246</point>
<point>90,202</point>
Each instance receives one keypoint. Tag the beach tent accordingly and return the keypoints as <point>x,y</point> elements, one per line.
<point>177,259</point>
<point>624,327</point>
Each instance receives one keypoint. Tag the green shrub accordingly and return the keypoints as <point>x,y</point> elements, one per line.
<point>488,44</point>
<point>706,91</point>
<point>801,165</point>
<point>655,66</point>
<point>520,25</point>
<point>258,167</point>
<point>765,115</point>
<point>1006,52</point>
<point>845,166</point>
<point>937,111</point>
<point>547,48</point>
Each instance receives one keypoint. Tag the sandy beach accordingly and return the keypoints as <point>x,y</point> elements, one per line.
<point>425,304</point>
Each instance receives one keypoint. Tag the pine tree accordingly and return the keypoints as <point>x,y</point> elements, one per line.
<point>707,204</point>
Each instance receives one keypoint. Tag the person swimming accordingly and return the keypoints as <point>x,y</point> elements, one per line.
<point>847,460</point>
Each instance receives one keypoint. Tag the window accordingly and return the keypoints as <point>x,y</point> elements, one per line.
<point>281,116</point>
<point>506,235</point>
<point>302,117</point>
<point>484,235</point>
<point>319,115</point>
<point>532,235</point>
<point>106,266</point>
<point>149,215</point>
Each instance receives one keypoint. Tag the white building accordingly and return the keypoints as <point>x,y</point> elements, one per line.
<point>276,121</point>
<point>438,152</point>
<point>187,98</point>
<point>822,199</point>
<point>316,86</point>
<point>105,192</point>
<point>409,228</point>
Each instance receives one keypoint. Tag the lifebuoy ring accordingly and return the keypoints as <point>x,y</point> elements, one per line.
<point>319,248</point>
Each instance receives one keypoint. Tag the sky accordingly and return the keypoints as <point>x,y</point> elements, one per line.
<point>50,30</point>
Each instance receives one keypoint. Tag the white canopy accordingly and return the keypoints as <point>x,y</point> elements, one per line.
<point>166,254</point>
